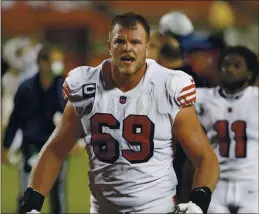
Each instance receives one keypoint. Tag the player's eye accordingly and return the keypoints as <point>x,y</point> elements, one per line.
<point>134,42</point>
<point>119,41</point>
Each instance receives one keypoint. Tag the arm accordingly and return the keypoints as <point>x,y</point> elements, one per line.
<point>189,132</point>
<point>55,151</point>
<point>186,181</point>
<point>50,160</point>
<point>188,169</point>
<point>15,121</point>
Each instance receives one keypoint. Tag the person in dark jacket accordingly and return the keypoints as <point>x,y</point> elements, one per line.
<point>36,102</point>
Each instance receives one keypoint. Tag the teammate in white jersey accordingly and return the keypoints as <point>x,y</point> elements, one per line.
<point>229,114</point>
<point>129,109</point>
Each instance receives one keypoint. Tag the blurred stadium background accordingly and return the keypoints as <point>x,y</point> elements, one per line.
<point>80,30</point>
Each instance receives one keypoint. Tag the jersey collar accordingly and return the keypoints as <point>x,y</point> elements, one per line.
<point>235,96</point>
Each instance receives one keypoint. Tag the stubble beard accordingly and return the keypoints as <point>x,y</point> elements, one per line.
<point>131,71</point>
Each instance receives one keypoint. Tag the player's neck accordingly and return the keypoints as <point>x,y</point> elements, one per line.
<point>127,82</point>
<point>236,91</point>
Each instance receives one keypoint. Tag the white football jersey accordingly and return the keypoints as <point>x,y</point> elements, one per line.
<point>231,123</point>
<point>129,134</point>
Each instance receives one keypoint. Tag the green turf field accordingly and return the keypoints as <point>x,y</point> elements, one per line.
<point>77,187</point>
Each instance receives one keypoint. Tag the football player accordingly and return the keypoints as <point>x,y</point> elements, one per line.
<point>229,114</point>
<point>129,108</point>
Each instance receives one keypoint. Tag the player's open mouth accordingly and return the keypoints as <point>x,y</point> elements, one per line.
<point>127,60</point>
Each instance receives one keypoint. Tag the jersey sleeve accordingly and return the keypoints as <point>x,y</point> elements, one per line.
<point>72,85</point>
<point>76,90</point>
<point>182,92</point>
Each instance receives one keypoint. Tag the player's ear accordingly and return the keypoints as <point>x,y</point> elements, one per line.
<point>147,48</point>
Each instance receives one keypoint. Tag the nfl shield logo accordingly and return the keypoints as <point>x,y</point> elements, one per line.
<point>123,99</point>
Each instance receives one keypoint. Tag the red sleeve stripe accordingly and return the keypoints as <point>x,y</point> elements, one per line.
<point>187,88</point>
<point>185,96</point>
<point>66,92</point>
<point>187,91</point>
<point>189,102</point>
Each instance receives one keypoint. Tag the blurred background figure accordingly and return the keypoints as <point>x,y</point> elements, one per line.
<point>228,115</point>
<point>20,54</point>
<point>155,45</point>
<point>181,42</point>
<point>37,101</point>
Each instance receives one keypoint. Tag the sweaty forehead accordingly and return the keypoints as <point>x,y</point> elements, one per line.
<point>135,31</point>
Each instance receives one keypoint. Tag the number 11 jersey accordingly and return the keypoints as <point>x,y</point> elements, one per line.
<point>129,134</point>
<point>231,123</point>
